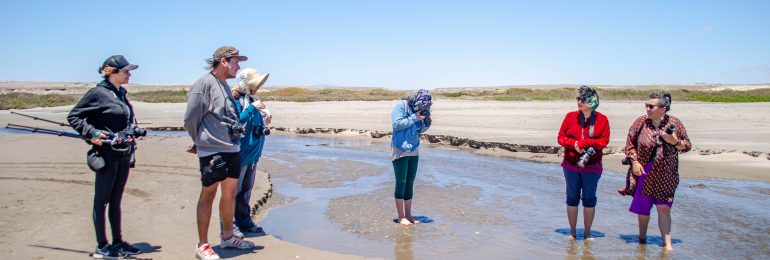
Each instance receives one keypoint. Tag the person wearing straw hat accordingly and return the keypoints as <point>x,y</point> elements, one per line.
<point>105,110</point>
<point>251,116</point>
<point>212,121</point>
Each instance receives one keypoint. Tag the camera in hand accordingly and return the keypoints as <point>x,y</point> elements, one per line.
<point>585,157</point>
<point>670,129</point>
<point>426,113</point>
<point>626,161</point>
<point>137,132</point>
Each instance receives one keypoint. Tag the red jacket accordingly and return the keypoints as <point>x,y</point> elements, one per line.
<point>571,131</point>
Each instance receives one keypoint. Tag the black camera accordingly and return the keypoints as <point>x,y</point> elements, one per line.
<point>262,130</point>
<point>426,113</point>
<point>236,129</point>
<point>626,161</point>
<point>670,129</point>
<point>585,157</point>
<point>139,132</point>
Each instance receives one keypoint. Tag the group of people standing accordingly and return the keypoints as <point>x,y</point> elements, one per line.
<point>652,147</point>
<point>653,144</point>
<point>228,128</point>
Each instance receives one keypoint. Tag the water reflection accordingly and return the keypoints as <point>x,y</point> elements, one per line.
<point>492,208</point>
<point>402,248</point>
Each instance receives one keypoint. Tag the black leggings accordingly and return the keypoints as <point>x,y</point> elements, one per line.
<point>109,185</point>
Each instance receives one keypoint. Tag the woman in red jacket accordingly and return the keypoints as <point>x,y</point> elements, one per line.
<point>583,134</point>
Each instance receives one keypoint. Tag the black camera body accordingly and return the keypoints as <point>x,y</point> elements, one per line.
<point>236,129</point>
<point>585,157</point>
<point>626,161</point>
<point>426,113</point>
<point>136,132</point>
<point>670,129</point>
<point>262,130</point>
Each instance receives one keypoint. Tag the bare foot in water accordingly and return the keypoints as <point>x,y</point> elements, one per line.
<point>405,222</point>
<point>668,247</point>
<point>411,219</point>
<point>643,240</point>
<point>572,236</point>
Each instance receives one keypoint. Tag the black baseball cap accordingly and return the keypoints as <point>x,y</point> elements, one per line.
<point>119,62</point>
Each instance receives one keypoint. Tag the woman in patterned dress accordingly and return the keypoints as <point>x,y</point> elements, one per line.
<point>654,157</point>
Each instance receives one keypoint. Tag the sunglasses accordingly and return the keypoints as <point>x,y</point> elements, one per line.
<point>580,100</point>
<point>650,106</point>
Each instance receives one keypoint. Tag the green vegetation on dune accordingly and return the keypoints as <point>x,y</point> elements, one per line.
<point>295,94</point>
<point>330,94</point>
<point>27,100</point>
<point>522,94</point>
<point>283,94</point>
<point>160,96</point>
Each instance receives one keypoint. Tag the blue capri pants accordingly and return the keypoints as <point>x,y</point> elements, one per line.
<point>581,186</point>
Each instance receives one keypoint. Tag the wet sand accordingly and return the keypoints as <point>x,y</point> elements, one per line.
<point>487,207</point>
<point>47,193</point>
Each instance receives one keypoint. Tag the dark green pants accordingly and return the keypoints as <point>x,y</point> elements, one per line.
<point>406,170</point>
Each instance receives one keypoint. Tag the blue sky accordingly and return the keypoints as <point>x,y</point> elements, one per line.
<point>395,44</point>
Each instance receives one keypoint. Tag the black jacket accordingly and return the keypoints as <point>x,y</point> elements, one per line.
<point>103,108</point>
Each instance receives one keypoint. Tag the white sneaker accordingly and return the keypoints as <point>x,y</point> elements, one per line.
<point>237,231</point>
<point>204,252</point>
<point>237,242</point>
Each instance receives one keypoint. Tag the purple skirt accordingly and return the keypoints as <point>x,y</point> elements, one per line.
<point>642,203</point>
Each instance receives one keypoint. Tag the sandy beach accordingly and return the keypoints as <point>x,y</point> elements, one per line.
<point>730,140</point>
<point>48,189</point>
<point>48,192</point>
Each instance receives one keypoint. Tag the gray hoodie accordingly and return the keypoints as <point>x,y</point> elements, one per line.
<point>209,113</point>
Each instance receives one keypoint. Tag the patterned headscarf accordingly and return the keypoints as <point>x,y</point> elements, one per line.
<point>420,100</point>
<point>589,96</point>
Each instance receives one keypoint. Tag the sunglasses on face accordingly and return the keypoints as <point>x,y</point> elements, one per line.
<point>578,99</point>
<point>650,106</point>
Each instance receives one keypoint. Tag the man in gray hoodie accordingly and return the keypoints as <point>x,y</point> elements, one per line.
<point>212,122</point>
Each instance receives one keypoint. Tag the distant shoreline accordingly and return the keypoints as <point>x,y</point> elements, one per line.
<point>39,87</point>
<point>23,95</point>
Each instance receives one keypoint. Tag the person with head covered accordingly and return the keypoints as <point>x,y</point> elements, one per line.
<point>583,134</point>
<point>251,114</point>
<point>410,117</point>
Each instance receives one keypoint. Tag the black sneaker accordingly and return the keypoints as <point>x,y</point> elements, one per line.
<point>126,249</point>
<point>106,252</point>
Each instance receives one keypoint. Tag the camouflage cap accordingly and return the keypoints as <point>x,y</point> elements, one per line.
<point>228,52</point>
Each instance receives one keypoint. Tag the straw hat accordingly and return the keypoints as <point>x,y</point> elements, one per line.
<point>249,78</point>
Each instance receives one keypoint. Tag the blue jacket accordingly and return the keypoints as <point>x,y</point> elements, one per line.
<point>406,127</point>
<point>252,140</point>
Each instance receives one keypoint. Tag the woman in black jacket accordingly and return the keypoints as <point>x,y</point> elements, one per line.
<point>106,118</point>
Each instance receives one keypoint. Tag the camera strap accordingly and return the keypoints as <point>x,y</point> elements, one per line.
<point>591,119</point>
<point>234,116</point>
